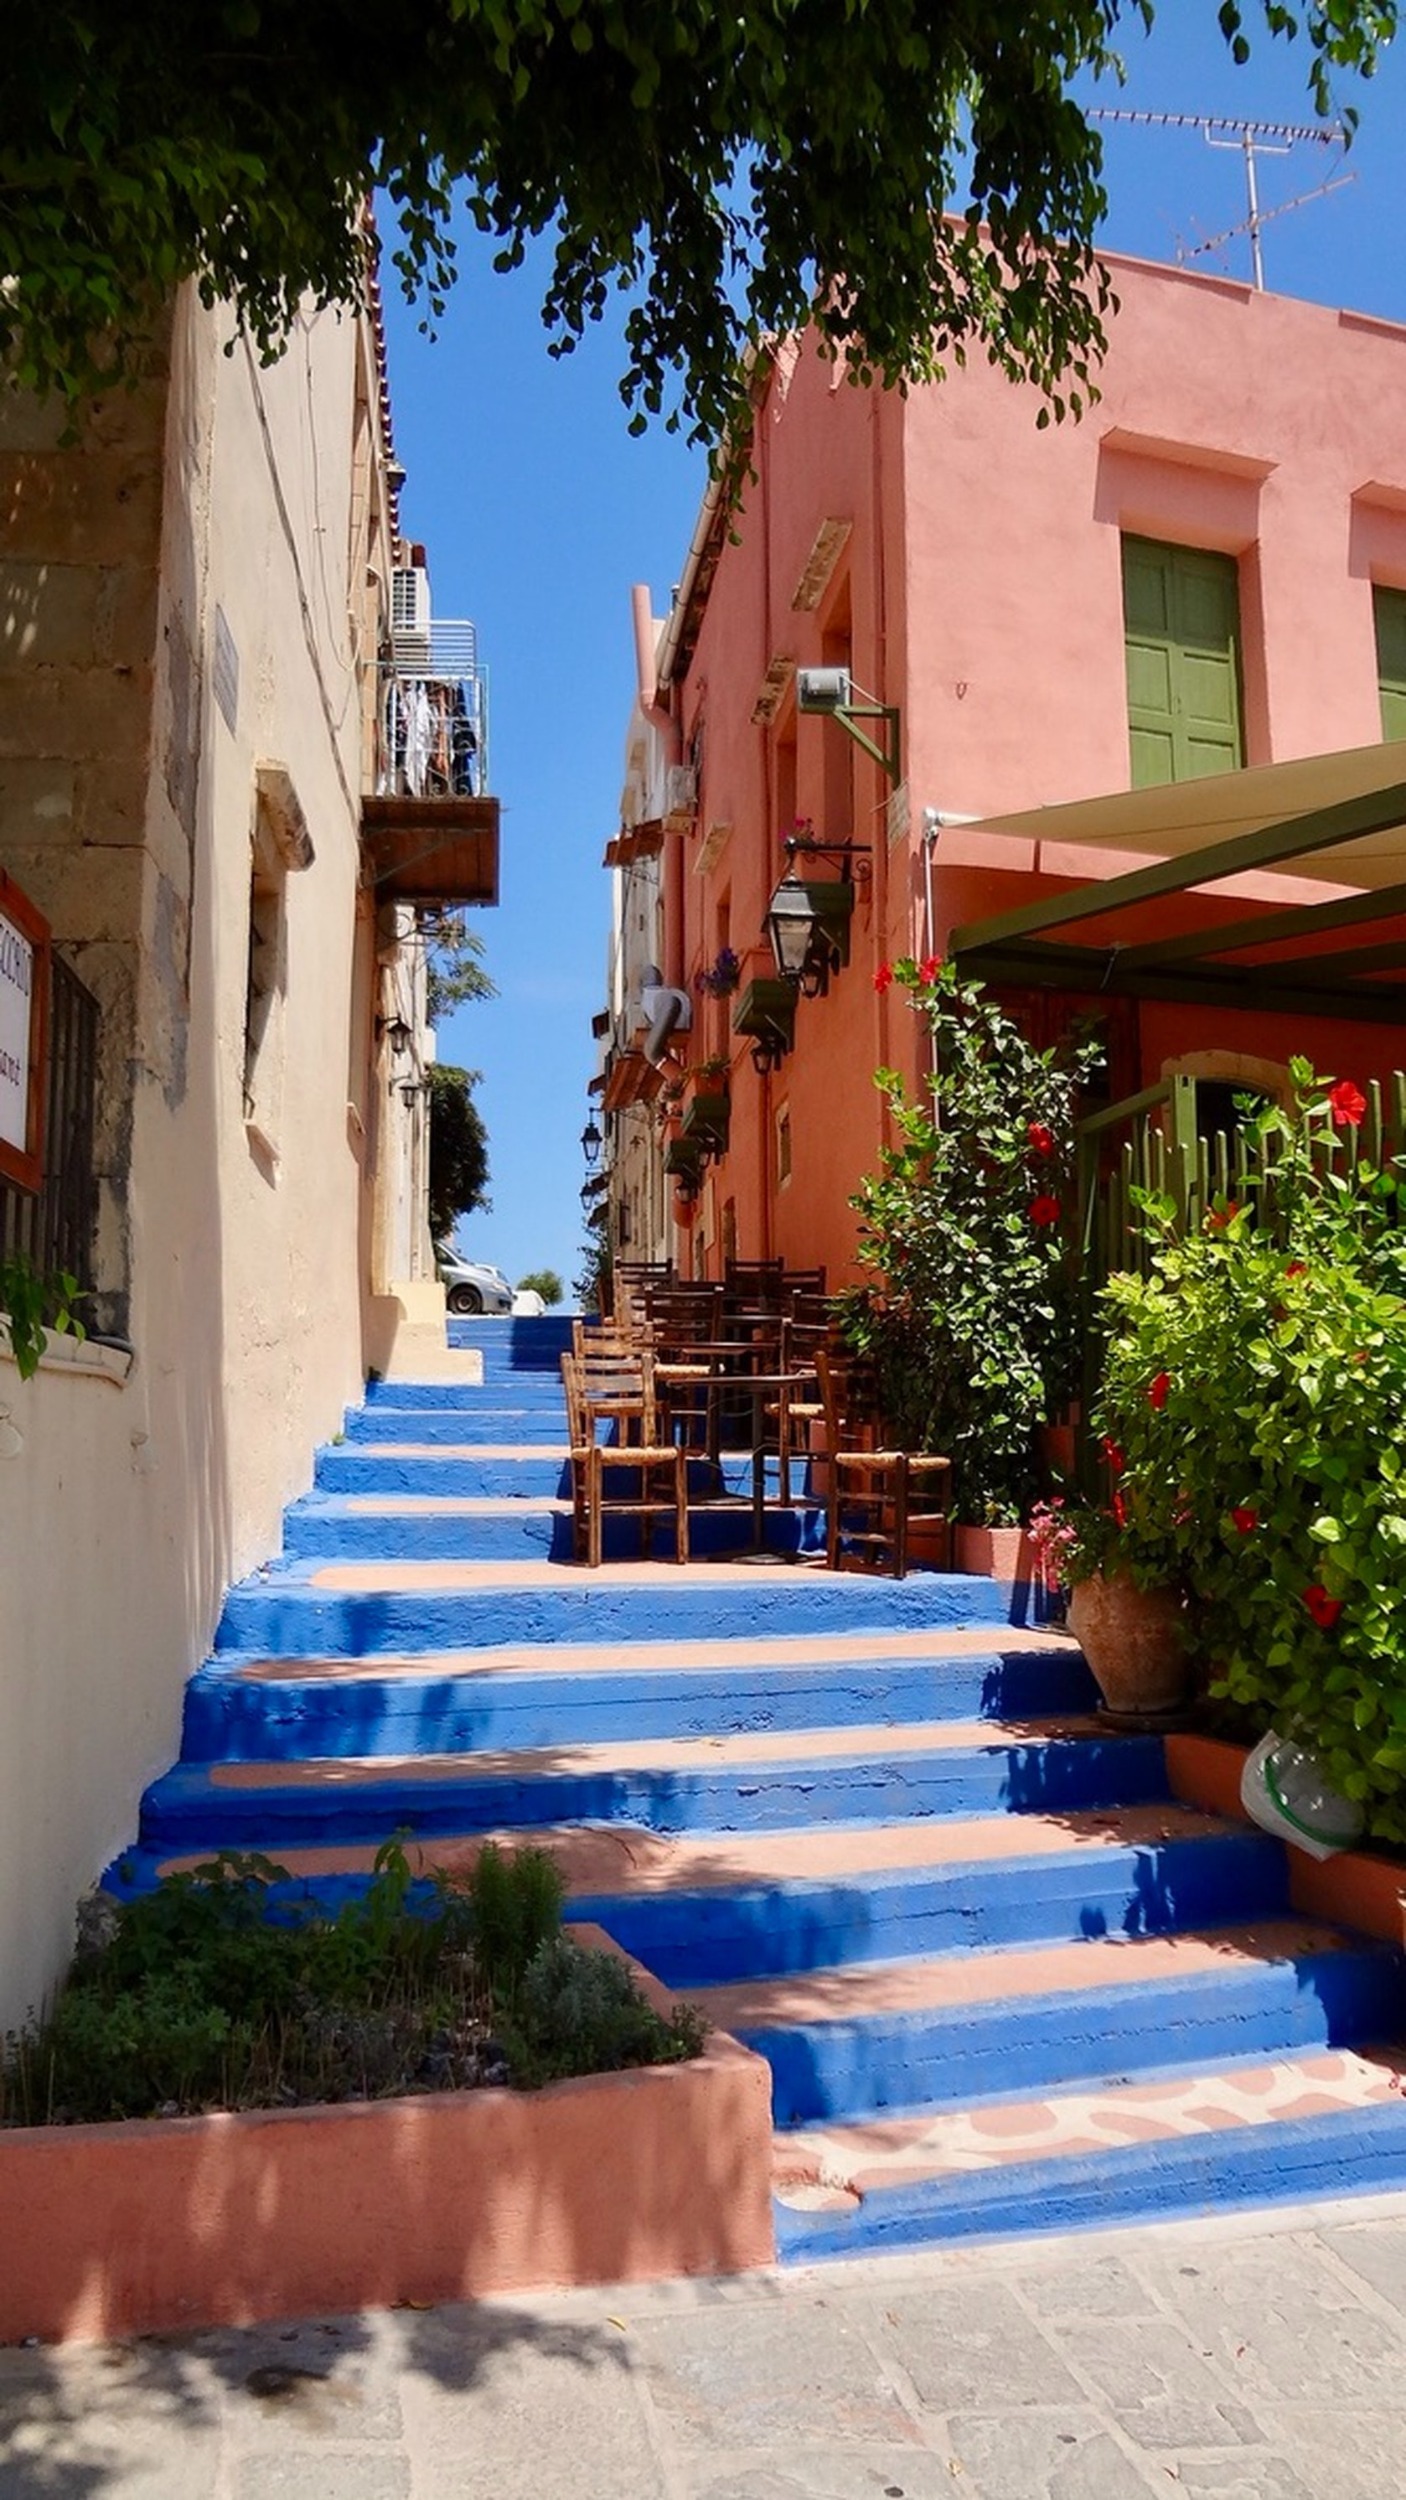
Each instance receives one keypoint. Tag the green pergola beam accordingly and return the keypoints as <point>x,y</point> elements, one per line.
<point>1266,928</point>
<point>1284,988</point>
<point>1352,962</point>
<point>1348,820</point>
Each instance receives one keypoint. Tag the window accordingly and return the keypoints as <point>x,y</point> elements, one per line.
<point>1181,616</point>
<point>281,844</point>
<point>1389,609</point>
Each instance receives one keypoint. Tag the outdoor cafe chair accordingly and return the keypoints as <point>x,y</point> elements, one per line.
<point>875,1497</point>
<point>637,1475</point>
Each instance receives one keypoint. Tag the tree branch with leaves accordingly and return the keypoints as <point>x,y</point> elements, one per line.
<point>918,181</point>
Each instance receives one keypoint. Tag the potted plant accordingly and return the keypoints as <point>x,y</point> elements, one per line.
<point>1128,1617</point>
<point>720,978</point>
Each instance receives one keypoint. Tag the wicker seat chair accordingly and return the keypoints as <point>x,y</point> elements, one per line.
<point>876,1497</point>
<point>634,1474</point>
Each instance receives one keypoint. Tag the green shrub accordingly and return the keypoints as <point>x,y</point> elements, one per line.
<point>971,1320</point>
<point>581,2013</point>
<point>211,1992</point>
<point>1252,1402</point>
<point>514,1904</point>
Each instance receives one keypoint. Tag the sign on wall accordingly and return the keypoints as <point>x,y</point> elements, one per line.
<point>24,1023</point>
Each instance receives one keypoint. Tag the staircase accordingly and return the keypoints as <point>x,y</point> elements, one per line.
<point>1005,1983</point>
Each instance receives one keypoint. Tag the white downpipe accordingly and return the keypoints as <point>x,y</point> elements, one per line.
<point>934,819</point>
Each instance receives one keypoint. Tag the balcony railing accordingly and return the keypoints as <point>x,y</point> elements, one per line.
<point>434,714</point>
<point>431,828</point>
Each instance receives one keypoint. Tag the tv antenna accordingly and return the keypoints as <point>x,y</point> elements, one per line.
<point>1252,140</point>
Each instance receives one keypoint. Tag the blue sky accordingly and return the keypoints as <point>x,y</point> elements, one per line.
<point>539,510</point>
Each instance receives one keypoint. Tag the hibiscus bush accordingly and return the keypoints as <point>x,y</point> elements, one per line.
<point>1251,1410</point>
<point>971,1311</point>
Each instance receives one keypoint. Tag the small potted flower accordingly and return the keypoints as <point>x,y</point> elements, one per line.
<point>1125,1609</point>
<point>720,978</point>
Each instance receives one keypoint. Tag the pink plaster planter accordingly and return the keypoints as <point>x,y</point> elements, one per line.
<point>168,2223</point>
<point>996,1553</point>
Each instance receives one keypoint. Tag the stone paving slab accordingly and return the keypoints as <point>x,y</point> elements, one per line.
<point>1248,2358</point>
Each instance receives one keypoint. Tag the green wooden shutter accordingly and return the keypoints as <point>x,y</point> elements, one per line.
<point>1389,607</point>
<point>1181,614</point>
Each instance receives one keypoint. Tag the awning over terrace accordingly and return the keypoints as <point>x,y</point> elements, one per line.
<point>1332,825</point>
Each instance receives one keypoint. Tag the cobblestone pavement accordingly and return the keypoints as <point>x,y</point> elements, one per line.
<point>1251,2359</point>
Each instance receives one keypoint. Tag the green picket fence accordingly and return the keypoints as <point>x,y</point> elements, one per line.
<point>1150,1142</point>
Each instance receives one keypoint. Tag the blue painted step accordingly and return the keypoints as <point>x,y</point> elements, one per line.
<point>284,1615</point>
<point>232,1714</point>
<point>327,1526</point>
<point>848,2068</point>
<point>1295,2160</point>
<point>452,1427</point>
<point>189,1807</point>
<point>462,1474</point>
<point>703,1939</point>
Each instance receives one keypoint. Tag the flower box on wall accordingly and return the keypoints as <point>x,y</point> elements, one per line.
<point>683,1158</point>
<point>832,901</point>
<point>767,1008</point>
<point>705,1122</point>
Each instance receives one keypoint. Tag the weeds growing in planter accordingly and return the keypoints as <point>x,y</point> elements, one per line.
<point>210,1992</point>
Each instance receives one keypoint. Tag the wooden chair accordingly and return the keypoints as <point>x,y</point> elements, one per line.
<point>754,1284</point>
<point>616,1391</point>
<point>684,1324</point>
<point>630,1281</point>
<point>875,1498</point>
<point>806,1327</point>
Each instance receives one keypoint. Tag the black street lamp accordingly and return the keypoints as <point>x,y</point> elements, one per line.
<point>801,919</point>
<point>591,1143</point>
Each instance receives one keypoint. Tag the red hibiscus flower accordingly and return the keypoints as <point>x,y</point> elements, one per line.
<point>1219,1217</point>
<point>930,967</point>
<point>1246,1519</point>
<point>1041,1138</point>
<point>883,978</point>
<point>1295,1267</point>
<point>1324,1609</point>
<point>1116,1460</point>
<point>1157,1391</point>
<point>1043,1210</point>
<point>1346,1103</point>
<point>1119,1508</point>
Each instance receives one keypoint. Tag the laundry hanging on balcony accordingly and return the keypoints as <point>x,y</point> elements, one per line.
<point>431,742</point>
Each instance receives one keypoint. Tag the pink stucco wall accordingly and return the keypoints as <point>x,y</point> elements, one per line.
<point>982,591</point>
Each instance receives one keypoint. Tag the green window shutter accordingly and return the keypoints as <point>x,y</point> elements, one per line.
<point>1181,617</point>
<point>1389,608</point>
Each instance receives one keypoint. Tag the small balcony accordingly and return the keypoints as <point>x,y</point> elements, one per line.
<point>430,830</point>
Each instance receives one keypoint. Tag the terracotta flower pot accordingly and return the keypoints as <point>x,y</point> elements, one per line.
<point>1134,1640</point>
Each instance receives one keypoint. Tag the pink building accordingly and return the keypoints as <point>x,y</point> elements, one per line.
<point>1182,618</point>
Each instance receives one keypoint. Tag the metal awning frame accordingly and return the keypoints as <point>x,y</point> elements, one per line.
<point>1018,947</point>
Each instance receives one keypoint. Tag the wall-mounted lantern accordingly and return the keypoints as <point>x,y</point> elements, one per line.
<point>591,1143</point>
<point>395,1032</point>
<point>808,922</point>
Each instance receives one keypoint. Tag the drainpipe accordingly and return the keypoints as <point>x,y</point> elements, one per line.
<point>656,713</point>
<point>934,819</point>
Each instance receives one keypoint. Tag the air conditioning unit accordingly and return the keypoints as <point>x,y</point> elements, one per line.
<point>410,616</point>
<point>823,690</point>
